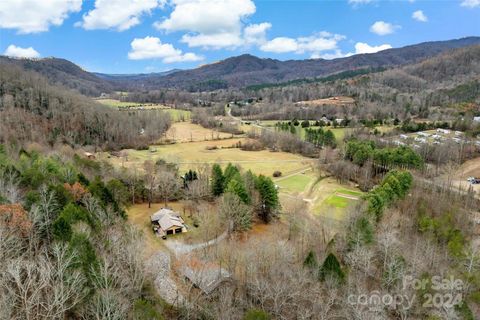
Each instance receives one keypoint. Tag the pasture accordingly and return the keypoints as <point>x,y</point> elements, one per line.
<point>176,114</point>
<point>194,155</point>
<point>189,132</point>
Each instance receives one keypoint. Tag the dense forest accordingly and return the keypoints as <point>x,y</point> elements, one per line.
<point>32,110</point>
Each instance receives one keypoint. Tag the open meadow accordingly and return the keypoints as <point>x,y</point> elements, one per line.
<point>189,132</point>
<point>193,155</point>
<point>176,114</point>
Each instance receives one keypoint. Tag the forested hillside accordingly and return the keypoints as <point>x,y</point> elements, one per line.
<point>235,72</point>
<point>65,73</point>
<point>443,81</point>
<point>32,110</point>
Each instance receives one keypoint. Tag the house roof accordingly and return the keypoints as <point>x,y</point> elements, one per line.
<point>167,219</point>
<point>207,276</point>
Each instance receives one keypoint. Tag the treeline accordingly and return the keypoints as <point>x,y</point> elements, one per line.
<point>32,110</point>
<point>394,186</point>
<point>320,137</point>
<point>284,141</point>
<point>359,152</point>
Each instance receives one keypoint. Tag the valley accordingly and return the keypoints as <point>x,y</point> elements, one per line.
<point>245,189</point>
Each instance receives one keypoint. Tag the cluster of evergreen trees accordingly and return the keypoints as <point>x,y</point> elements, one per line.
<point>394,186</point>
<point>320,137</point>
<point>359,152</point>
<point>258,192</point>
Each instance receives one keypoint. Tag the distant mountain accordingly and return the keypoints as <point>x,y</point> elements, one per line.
<point>135,76</point>
<point>247,70</point>
<point>63,72</point>
<point>235,72</point>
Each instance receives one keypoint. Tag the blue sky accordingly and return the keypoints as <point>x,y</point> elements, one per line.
<point>138,36</point>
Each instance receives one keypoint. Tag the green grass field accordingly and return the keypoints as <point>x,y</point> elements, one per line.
<point>349,192</point>
<point>179,115</point>
<point>331,204</point>
<point>337,201</point>
<point>296,183</point>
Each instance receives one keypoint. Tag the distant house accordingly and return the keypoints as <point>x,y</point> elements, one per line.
<point>476,119</point>
<point>444,131</point>
<point>206,276</point>
<point>89,155</point>
<point>166,222</point>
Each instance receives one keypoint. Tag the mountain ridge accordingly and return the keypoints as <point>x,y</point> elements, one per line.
<point>233,72</point>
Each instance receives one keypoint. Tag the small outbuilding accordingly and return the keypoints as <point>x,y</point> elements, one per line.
<point>166,222</point>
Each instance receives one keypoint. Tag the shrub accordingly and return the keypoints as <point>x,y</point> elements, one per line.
<point>277,174</point>
<point>256,314</point>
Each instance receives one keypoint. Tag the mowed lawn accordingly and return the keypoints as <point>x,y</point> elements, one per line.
<point>333,199</point>
<point>296,183</point>
<point>194,155</point>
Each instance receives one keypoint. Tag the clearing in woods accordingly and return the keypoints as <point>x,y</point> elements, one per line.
<point>194,155</point>
<point>335,101</point>
<point>176,114</point>
<point>189,132</point>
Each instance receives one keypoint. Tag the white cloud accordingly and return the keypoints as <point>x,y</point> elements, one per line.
<point>209,23</point>
<point>19,52</point>
<point>383,28</point>
<point>256,33</point>
<point>280,45</point>
<point>153,48</point>
<point>213,41</point>
<point>316,45</point>
<point>31,16</point>
<point>361,47</point>
<point>420,16</point>
<point>118,14</point>
<point>470,3</point>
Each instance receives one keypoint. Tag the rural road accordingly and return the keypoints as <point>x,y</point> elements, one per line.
<point>441,185</point>
<point>291,174</point>
<point>229,113</point>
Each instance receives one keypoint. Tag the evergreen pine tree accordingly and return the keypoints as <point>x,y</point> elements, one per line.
<point>218,180</point>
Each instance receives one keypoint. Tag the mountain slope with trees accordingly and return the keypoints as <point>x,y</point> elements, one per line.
<point>234,72</point>
<point>245,70</point>
<point>32,110</point>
